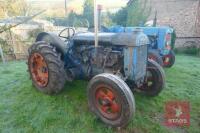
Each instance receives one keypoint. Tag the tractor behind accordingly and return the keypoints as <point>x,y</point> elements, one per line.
<point>162,41</point>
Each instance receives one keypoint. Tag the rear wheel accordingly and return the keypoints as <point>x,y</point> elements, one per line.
<point>154,55</point>
<point>169,59</point>
<point>155,79</point>
<point>111,100</point>
<point>46,68</point>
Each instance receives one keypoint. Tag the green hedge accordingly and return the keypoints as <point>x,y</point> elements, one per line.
<point>189,50</point>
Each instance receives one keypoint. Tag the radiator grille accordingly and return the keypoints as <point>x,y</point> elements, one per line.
<point>140,61</point>
<point>135,62</point>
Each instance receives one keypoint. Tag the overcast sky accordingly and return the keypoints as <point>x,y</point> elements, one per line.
<point>112,3</point>
<point>76,5</point>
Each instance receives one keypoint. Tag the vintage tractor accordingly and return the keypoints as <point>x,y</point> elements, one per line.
<point>114,68</point>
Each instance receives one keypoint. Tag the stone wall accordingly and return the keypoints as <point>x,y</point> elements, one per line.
<point>198,20</point>
<point>188,42</point>
<point>181,15</point>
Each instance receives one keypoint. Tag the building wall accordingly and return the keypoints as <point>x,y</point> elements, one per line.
<point>197,25</point>
<point>181,15</point>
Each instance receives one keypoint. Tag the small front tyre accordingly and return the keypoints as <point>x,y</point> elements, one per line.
<point>169,59</point>
<point>111,100</point>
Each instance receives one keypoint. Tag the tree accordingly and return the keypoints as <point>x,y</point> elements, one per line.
<point>88,12</point>
<point>106,19</point>
<point>137,12</point>
<point>72,17</point>
<point>120,18</point>
<point>15,7</point>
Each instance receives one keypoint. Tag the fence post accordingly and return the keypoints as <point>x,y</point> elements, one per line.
<point>12,41</point>
<point>2,56</point>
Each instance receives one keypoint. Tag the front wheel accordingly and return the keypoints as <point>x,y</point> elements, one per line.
<point>111,100</point>
<point>155,79</point>
<point>169,59</point>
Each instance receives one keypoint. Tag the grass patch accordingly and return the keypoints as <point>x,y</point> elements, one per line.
<point>24,109</point>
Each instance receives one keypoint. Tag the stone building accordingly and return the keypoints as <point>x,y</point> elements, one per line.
<point>183,15</point>
<point>197,25</point>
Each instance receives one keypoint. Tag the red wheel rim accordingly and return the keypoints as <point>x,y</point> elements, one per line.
<point>167,59</point>
<point>152,57</point>
<point>39,69</point>
<point>107,103</point>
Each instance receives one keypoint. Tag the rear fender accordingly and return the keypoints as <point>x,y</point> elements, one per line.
<point>53,40</point>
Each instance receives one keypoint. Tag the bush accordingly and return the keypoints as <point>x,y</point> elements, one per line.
<point>33,33</point>
<point>134,14</point>
<point>138,12</point>
<point>192,50</point>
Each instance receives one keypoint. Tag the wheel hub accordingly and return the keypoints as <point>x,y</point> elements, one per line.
<point>106,102</point>
<point>39,69</point>
<point>167,59</point>
<point>152,57</point>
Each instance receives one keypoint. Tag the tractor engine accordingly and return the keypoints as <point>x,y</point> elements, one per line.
<point>98,60</point>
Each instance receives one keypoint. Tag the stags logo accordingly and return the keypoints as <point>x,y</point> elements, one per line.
<point>177,113</point>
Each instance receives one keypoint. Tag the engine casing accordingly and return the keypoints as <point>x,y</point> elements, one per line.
<point>123,54</point>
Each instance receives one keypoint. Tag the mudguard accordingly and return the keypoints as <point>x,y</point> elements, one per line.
<point>53,40</point>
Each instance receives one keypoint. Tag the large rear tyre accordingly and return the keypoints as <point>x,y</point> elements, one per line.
<point>111,100</point>
<point>155,79</point>
<point>169,59</point>
<point>46,68</point>
<point>154,55</point>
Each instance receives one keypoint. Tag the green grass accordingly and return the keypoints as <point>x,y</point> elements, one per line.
<point>24,109</point>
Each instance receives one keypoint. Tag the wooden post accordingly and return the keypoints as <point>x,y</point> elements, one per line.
<point>96,23</point>
<point>2,56</point>
<point>65,8</point>
<point>12,41</point>
<point>99,8</point>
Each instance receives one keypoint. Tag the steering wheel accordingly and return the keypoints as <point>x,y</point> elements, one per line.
<point>68,29</point>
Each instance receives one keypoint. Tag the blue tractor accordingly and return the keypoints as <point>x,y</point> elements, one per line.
<point>161,42</point>
<point>116,66</point>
